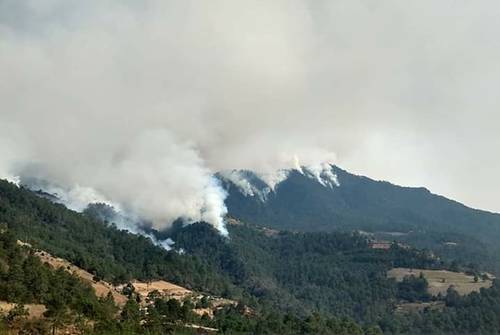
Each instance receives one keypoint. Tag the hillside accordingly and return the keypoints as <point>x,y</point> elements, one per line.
<point>286,282</point>
<point>42,294</point>
<point>412,215</point>
<point>117,257</point>
<point>301,202</point>
<point>107,253</point>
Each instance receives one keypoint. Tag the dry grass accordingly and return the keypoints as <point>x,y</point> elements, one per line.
<point>143,289</point>
<point>441,280</point>
<point>35,310</point>
<point>164,288</point>
<point>101,288</point>
<point>204,311</point>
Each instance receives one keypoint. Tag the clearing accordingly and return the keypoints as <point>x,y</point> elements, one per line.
<point>441,280</point>
<point>164,289</point>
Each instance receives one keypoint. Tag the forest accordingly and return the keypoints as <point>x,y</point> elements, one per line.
<point>417,216</point>
<point>295,282</point>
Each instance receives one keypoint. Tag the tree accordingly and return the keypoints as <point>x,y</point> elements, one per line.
<point>452,297</point>
<point>373,330</point>
<point>414,289</point>
<point>131,317</point>
<point>57,312</point>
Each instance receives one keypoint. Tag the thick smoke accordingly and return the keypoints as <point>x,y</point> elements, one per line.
<point>139,103</point>
<point>139,106</point>
<point>152,175</point>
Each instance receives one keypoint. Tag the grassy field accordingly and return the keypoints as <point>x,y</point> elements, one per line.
<point>441,280</point>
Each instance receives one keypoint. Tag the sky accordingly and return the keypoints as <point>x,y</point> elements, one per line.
<point>139,103</point>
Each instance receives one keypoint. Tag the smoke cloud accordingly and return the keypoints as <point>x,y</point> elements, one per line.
<point>138,104</point>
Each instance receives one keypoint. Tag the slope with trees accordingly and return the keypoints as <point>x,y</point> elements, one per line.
<point>294,282</point>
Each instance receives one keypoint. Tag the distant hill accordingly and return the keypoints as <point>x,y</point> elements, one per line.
<point>304,202</point>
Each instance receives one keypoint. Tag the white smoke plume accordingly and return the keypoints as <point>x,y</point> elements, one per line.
<point>141,102</point>
<point>128,222</point>
<point>126,104</point>
<point>152,176</point>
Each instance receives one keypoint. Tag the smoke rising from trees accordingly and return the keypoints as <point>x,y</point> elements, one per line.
<point>142,102</point>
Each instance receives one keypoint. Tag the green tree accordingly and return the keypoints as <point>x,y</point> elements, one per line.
<point>131,317</point>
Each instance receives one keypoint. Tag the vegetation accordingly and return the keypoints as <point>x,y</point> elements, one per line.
<point>69,301</point>
<point>286,282</point>
<point>110,254</point>
<point>425,220</point>
<point>25,280</point>
<point>414,289</point>
<point>476,313</point>
<point>301,273</point>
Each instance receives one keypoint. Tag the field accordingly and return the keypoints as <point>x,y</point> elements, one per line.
<point>441,280</point>
<point>162,287</point>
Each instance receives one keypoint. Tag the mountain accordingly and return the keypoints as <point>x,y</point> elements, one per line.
<point>355,202</point>
<point>334,199</point>
<point>287,280</point>
<point>234,268</point>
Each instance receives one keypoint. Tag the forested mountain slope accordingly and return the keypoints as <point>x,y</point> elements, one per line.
<point>302,203</point>
<point>416,216</point>
<point>111,254</point>
<point>293,282</point>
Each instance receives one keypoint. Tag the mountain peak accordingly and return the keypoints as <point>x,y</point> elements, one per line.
<point>261,184</point>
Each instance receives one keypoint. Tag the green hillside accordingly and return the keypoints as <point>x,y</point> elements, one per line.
<point>417,216</point>
<point>293,282</point>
